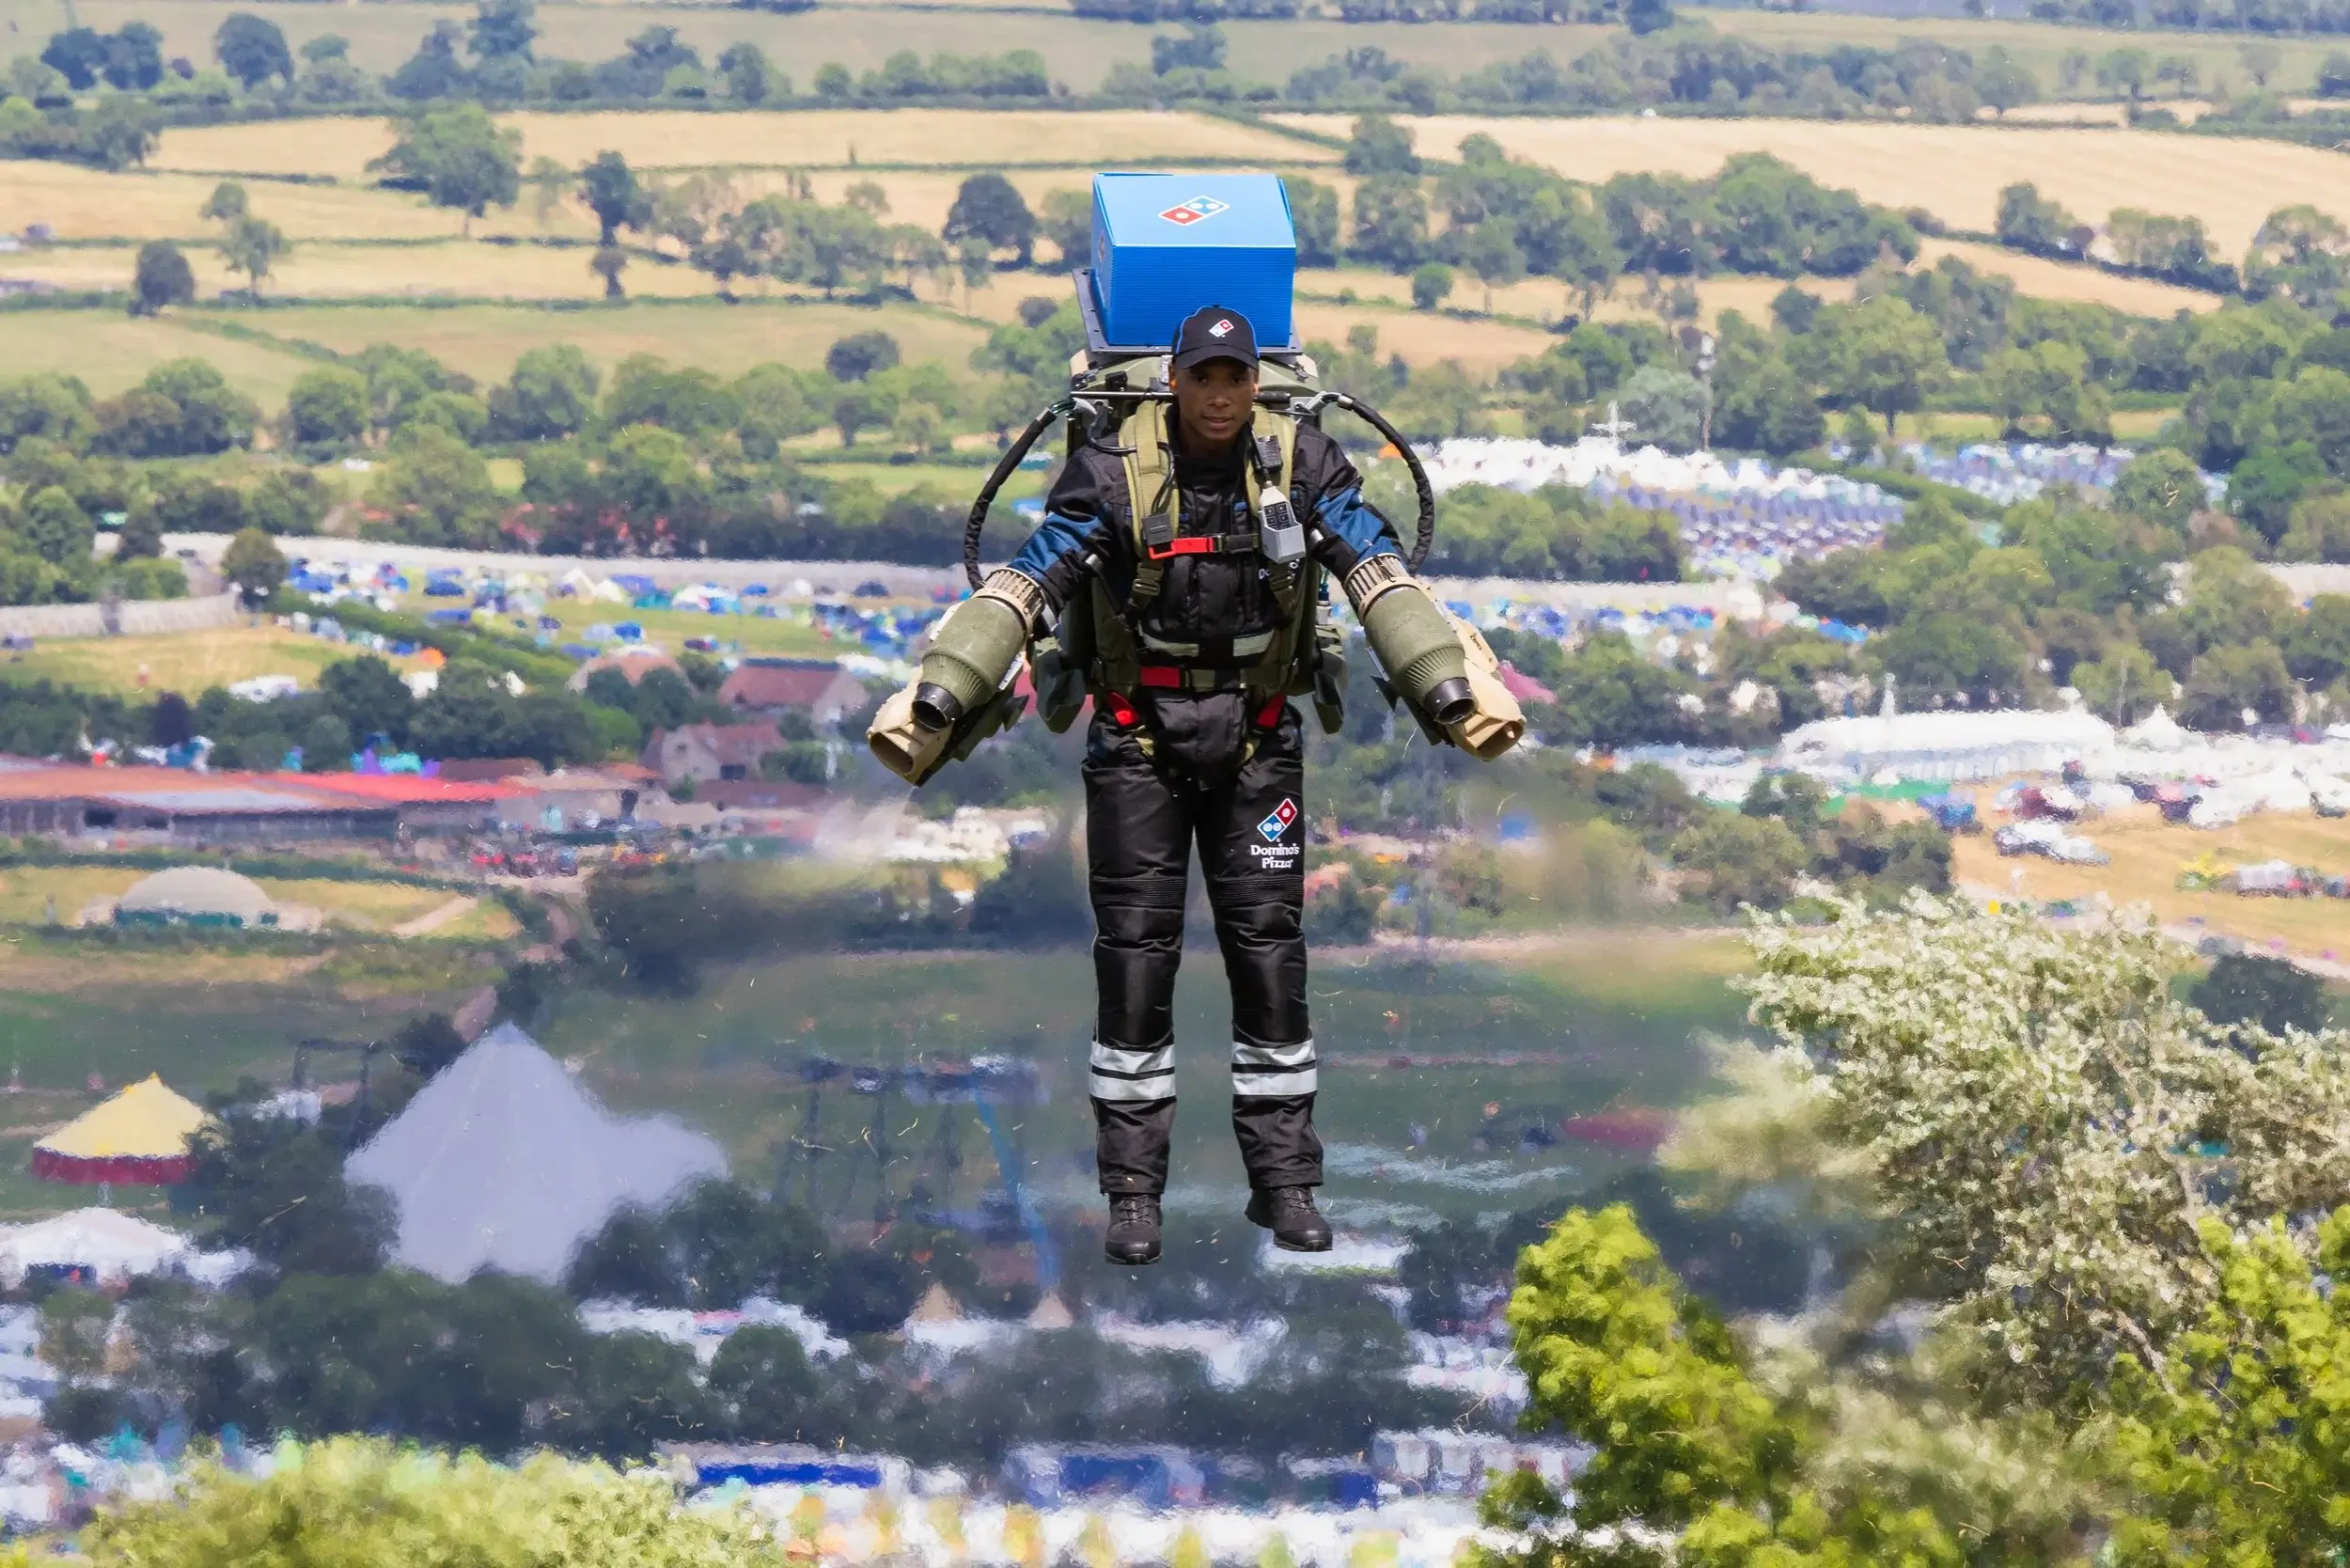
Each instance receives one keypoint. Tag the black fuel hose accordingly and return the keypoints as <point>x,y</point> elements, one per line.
<point>1004,467</point>
<point>1371,416</point>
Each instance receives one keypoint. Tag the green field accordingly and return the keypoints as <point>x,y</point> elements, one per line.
<point>1613,1033</point>
<point>202,1015</point>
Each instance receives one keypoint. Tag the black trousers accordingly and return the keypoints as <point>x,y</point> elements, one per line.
<point>1142,821</point>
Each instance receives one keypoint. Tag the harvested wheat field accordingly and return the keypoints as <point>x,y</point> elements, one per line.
<point>86,204</point>
<point>2060,281</point>
<point>1420,339</point>
<point>1953,171</point>
<point>455,269</point>
<point>669,139</point>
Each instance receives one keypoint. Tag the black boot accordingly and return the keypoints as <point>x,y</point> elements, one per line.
<point>1289,1214</point>
<point>1134,1234</point>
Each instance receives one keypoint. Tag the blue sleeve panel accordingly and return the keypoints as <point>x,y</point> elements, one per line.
<point>1079,517</point>
<point>1347,516</point>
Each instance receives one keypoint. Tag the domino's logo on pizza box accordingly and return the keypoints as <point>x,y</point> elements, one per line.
<point>1165,245</point>
<point>1198,210</point>
<point>1278,823</point>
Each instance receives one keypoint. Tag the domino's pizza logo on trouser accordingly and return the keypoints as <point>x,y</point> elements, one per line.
<point>1278,821</point>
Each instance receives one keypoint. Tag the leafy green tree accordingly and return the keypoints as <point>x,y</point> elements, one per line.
<point>2317,645</point>
<point>2029,221</point>
<point>120,132</point>
<point>438,491</point>
<point>57,528</point>
<point>550,394</point>
<point>1390,222</point>
<point>162,277</point>
<point>327,409</point>
<point>227,204</point>
<point>254,246</point>
<point>251,50</point>
<point>1432,283</point>
<point>608,263</point>
<point>78,55</point>
<point>135,58</point>
<point>2122,686</point>
<point>610,189</point>
<point>2319,529</point>
<point>459,157</point>
<point>1734,860</point>
<point>1644,17</point>
<point>252,562</point>
<point>761,1376</point>
<point>1379,146</point>
<point>2270,992</point>
<point>750,76</point>
<point>2163,487</point>
<point>989,207</point>
<point>1065,219</point>
<point>1314,214</point>
<point>2005,82</point>
<point>276,1187</point>
<point>502,29</point>
<point>2231,681</point>
<point>368,696</point>
<point>433,71</point>
<point>1884,356</point>
<point>1667,406</point>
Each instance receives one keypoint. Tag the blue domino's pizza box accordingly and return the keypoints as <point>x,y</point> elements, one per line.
<point>1166,245</point>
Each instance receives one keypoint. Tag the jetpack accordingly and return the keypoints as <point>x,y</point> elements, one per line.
<point>1157,238</point>
<point>1162,246</point>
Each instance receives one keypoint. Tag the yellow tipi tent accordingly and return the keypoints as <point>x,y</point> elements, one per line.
<point>138,1137</point>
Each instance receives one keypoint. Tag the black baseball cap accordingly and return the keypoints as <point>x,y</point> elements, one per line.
<point>1215,333</point>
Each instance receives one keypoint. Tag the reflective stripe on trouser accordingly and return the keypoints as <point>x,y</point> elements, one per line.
<point>1133,1076</point>
<point>1262,1071</point>
<point>1142,827</point>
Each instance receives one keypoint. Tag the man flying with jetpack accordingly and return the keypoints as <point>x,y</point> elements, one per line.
<point>1175,582</point>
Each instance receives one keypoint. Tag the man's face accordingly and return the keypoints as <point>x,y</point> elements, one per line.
<point>1213,400</point>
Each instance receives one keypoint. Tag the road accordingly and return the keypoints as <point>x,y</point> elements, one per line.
<point>840,578</point>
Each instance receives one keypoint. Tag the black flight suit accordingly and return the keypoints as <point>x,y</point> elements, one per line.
<point>1200,783</point>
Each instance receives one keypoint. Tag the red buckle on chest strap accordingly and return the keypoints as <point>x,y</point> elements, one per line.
<point>1269,716</point>
<point>1164,676</point>
<point>1197,544</point>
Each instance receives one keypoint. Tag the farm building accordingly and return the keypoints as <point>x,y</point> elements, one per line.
<point>424,805</point>
<point>183,807</point>
<point>767,686</point>
<point>702,752</point>
<point>195,896</point>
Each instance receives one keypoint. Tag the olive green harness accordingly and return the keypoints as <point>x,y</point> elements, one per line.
<point>1100,649</point>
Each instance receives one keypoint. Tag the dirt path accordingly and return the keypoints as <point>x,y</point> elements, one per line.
<point>433,919</point>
